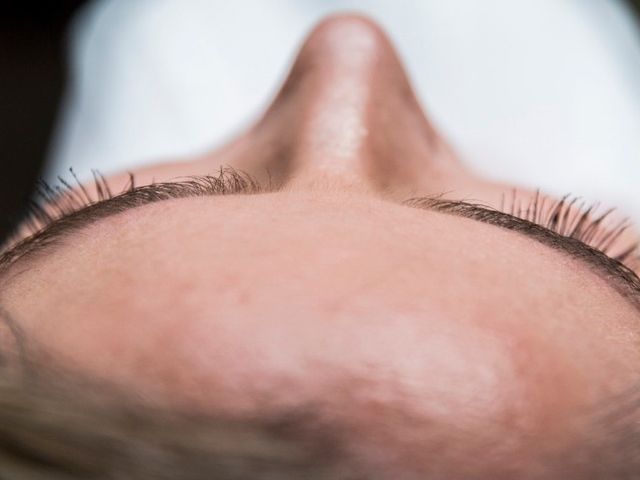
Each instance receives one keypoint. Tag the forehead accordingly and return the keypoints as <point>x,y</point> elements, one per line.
<point>226,302</point>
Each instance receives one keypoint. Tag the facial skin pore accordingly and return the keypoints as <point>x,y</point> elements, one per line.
<point>328,290</point>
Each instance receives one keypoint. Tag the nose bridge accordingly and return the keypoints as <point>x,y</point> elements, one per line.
<point>335,125</point>
<point>347,112</point>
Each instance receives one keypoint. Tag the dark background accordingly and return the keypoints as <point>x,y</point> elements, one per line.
<point>32,76</point>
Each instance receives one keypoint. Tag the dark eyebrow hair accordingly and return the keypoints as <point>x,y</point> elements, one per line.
<point>231,182</point>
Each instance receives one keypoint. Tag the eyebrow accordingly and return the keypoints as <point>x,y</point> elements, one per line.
<point>230,182</point>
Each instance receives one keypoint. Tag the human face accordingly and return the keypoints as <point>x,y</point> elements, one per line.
<point>325,287</point>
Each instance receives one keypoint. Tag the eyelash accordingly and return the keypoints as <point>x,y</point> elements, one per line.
<point>573,218</point>
<point>53,202</point>
<point>568,216</point>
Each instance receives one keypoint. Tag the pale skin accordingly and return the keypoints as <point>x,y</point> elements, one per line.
<point>246,303</point>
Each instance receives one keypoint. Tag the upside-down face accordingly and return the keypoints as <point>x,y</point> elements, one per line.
<point>324,257</point>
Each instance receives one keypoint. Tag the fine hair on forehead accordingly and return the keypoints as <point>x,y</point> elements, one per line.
<point>65,427</point>
<point>70,430</point>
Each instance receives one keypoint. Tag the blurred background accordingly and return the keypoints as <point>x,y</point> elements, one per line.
<point>33,74</point>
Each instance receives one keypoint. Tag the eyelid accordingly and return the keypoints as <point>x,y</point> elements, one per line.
<point>564,217</point>
<point>230,181</point>
<point>64,209</point>
<point>53,203</point>
<point>624,279</point>
<point>65,200</point>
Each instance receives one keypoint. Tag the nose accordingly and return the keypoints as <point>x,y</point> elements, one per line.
<point>347,114</point>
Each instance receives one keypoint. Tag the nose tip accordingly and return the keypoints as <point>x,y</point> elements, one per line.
<point>344,42</point>
<point>347,110</point>
<point>332,82</point>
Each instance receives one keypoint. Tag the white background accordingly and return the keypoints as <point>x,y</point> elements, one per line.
<point>545,93</point>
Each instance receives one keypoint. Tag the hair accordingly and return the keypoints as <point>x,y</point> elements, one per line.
<point>64,430</point>
<point>63,427</point>
<point>57,424</point>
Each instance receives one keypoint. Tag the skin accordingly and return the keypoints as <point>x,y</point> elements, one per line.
<point>329,291</point>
